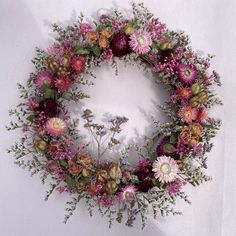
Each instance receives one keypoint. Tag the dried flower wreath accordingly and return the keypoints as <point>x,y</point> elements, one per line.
<point>173,157</point>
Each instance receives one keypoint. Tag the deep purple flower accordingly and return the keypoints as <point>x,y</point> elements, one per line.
<point>120,44</point>
<point>165,55</point>
<point>145,185</point>
<point>144,170</point>
<point>48,107</point>
<point>187,74</point>
<point>166,148</point>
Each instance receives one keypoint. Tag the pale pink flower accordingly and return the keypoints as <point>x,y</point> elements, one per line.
<point>140,42</point>
<point>128,192</point>
<point>165,169</point>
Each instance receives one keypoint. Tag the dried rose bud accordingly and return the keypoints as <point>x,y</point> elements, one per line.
<point>86,172</point>
<point>105,33</point>
<point>92,36</point>
<point>80,185</point>
<point>73,168</point>
<point>52,64</point>
<point>203,96</point>
<point>65,61</point>
<point>196,88</point>
<point>165,45</point>
<point>40,144</point>
<point>129,29</point>
<point>86,160</point>
<point>62,71</point>
<point>102,175</point>
<point>111,187</point>
<point>115,171</point>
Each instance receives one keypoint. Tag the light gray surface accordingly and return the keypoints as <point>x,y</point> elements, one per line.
<point>210,24</point>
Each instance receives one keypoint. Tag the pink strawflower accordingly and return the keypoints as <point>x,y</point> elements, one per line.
<point>184,93</point>
<point>175,186</point>
<point>140,42</point>
<point>165,169</point>
<point>77,63</point>
<point>55,126</point>
<point>105,200</point>
<point>187,114</point>
<point>63,84</point>
<point>187,74</point>
<point>44,78</point>
<point>128,192</point>
<point>201,114</point>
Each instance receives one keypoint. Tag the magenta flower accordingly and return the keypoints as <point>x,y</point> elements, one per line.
<point>84,28</point>
<point>77,63</point>
<point>201,114</point>
<point>140,42</point>
<point>187,74</point>
<point>63,84</point>
<point>175,186</point>
<point>44,78</point>
<point>128,192</point>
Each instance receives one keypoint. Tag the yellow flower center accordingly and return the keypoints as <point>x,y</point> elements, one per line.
<point>165,168</point>
<point>141,40</point>
<point>56,125</point>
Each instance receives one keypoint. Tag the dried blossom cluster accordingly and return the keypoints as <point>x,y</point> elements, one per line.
<point>172,158</point>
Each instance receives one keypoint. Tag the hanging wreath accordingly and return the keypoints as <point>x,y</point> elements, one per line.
<point>172,157</point>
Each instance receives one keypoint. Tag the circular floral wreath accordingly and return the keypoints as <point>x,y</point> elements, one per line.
<point>171,158</point>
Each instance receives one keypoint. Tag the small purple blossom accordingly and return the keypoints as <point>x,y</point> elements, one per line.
<point>84,28</point>
<point>175,186</point>
<point>156,28</point>
<point>198,149</point>
<point>187,74</point>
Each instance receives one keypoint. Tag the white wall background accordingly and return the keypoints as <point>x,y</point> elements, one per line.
<point>211,26</point>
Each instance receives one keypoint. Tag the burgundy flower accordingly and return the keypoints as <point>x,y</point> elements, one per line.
<point>165,55</point>
<point>48,107</point>
<point>145,185</point>
<point>187,74</point>
<point>144,171</point>
<point>165,148</point>
<point>120,44</point>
